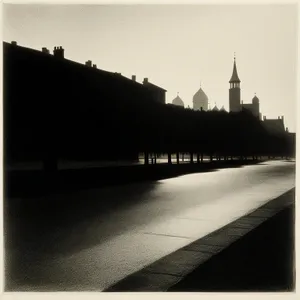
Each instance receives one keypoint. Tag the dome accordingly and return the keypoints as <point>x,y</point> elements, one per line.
<point>200,96</point>
<point>215,108</point>
<point>178,101</point>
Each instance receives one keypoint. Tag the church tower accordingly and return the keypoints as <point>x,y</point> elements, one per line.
<point>234,91</point>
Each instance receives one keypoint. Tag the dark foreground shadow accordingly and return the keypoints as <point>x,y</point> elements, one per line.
<point>261,261</point>
<point>35,183</point>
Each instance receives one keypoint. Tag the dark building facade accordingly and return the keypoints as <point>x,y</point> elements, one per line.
<point>274,126</point>
<point>158,93</point>
<point>55,108</point>
<point>55,105</point>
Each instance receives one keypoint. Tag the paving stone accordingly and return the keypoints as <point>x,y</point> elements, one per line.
<point>264,213</point>
<point>169,270</point>
<point>253,220</point>
<point>240,224</point>
<point>212,249</point>
<point>144,282</point>
<point>219,239</point>
<point>236,231</point>
<point>179,263</point>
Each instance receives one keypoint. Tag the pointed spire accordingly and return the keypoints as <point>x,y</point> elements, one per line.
<point>234,77</point>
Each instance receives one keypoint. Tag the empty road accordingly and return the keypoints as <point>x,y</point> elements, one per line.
<point>88,240</point>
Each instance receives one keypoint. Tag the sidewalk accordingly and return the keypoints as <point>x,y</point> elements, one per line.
<point>253,253</point>
<point>260,261</point>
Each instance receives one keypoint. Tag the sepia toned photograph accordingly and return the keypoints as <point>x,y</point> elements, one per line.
<point>149,148</point>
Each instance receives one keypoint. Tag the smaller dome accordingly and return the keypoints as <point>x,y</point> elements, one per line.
<point>215,108</point>
<point>223,109</point>
<point>178,101</point>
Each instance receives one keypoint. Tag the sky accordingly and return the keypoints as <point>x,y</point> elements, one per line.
<point>176,46</point>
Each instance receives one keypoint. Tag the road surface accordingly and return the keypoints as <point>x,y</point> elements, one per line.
<point>89,240</point>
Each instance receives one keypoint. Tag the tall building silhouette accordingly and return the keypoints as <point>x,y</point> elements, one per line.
<point>54,106</point>
<point>234,91</point>
<point>200,100</point>
<point>235,103</point>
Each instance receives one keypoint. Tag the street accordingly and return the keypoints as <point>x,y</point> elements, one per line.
<point>88,240</point>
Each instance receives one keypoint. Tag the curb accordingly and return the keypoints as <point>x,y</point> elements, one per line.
<point>169,270</point>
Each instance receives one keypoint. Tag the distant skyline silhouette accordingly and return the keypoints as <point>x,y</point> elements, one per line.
<point>176,47</point>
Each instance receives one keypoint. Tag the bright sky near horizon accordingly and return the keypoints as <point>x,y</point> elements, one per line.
<point>176,46</point>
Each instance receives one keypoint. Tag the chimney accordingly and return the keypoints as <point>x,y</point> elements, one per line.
<point>265,118</point>
<point>133,77</point>
<point>45,50</point>
<point>14,43</point>
<point>279,118</point>
<point>287,130</point>
<point>145,80</point>
<point>88,63</point>
<point>282,118</point>
<point>95,66</point>
<point>59,52</point>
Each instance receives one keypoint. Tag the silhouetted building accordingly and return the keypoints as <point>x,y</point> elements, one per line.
<point>55,108</point>
<point>235,104</point>
<point>253,107</point>
<point>234,91</point>
<point>52,104</point>
<point>274,126</point>
<point>178,101</point>
<point>159,94</point>
<point>200,100</point>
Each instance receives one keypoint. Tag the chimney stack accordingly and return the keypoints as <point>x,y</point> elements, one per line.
<point>287,130</point>
<point>88,63</point>
<point>95,66</point>
<point>14,43</point>
<point>145,80</point>
<point>265,118</point>
<point>45,50</point>
<point>133,77</point>
<point>59,52</point>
